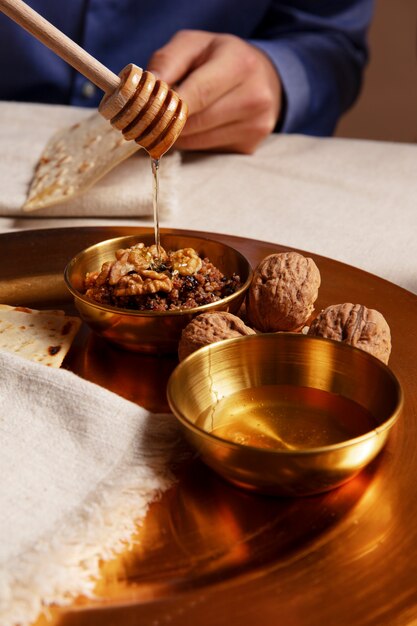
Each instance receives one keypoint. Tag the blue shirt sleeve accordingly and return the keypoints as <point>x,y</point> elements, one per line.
<point>319,50</point>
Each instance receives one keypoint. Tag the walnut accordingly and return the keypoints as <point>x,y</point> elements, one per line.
<point>356,325</point>
<point>208,328</point>
<point>140,256</point>
<point>282,293</point>
<point>101,276</point>
<point>186,261</point>
<point>138,259</point>
<point>148,281</point>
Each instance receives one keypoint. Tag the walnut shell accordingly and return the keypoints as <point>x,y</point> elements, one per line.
<point>282,292</point>
<point>208,328</point>
<point>356,325</point>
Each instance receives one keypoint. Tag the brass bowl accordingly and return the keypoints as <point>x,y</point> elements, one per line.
<point>151,331</point>
<point>285,414</point>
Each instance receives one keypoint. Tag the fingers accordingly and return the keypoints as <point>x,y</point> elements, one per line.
<point>232,90</point>
<point>241,118</point>
<point>222,69</point>
<point>205,65</point>
<point>174,61</point>
<point>240,136</point>
<point>254,103</point>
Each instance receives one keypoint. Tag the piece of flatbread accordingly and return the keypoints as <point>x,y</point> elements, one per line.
<point>74,159</point>
<point>42,336</point>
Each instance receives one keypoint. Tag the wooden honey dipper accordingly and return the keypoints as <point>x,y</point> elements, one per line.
<point>145,109</point>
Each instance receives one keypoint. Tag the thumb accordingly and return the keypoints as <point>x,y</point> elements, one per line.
<point>174,61</point>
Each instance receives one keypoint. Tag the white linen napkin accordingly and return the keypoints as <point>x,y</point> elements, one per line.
<point>126,191</point>
<point>79,466</point>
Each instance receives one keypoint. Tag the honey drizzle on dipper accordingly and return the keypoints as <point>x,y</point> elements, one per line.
<point>152,115</point>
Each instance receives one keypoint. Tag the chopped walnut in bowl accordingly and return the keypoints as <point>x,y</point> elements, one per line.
<point>148,278</point>
<point>140,297</point>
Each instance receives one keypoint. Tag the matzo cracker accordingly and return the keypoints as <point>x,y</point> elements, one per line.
<point>74,159</point>
<point>41,336</point>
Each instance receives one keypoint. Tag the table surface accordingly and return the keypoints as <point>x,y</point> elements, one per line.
<point>349,200</point>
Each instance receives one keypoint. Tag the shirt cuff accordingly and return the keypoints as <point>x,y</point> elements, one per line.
<point>294,80</point>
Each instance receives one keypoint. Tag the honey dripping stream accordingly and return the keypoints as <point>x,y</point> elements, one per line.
<point>155,199</point>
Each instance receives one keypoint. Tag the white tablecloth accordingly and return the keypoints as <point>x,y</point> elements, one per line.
<point>350,200</point>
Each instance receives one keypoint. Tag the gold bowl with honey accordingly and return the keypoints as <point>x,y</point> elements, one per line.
<point>151,331</point>
<point>283,413</point>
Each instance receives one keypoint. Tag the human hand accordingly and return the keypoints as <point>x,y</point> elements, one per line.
<point>232,89</point>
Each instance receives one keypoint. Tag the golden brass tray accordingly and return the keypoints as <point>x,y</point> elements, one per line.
<point>210,554</point>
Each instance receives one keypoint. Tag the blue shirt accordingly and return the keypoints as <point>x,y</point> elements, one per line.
<point>319,48</point>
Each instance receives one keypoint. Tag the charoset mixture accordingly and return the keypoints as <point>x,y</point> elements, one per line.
<point>150,279</point>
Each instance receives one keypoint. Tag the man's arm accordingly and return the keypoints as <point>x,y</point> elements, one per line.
<point>300,71</point>
<point>319,50</point>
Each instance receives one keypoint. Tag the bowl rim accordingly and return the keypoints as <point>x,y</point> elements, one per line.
<point>386,425</point>
<point>176,312</point>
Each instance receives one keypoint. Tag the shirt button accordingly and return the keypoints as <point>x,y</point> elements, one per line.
<point>88,90</point>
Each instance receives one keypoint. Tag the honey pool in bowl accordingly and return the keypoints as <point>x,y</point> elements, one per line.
<point>286,418</point>
<point>283,413</point>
